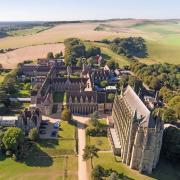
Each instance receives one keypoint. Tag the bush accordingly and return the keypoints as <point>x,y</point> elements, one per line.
<point>66,114</point>
<point>111,97</point>
<point>33,134</point>
<point>104,83</point>
<point>97,173</point>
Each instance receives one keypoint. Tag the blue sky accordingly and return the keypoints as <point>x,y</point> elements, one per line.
<point>50,10</point>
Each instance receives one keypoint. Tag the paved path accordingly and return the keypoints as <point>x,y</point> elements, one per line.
<point>82,165</point>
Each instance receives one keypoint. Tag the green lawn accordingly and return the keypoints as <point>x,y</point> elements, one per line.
<point>58,97</point>
<point>57,147</point>
<point>11,170</point>
<point>101,143</point>
<point>67,130</point>
<point>164,171</point>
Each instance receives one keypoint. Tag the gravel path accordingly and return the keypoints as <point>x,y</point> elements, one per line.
<point>82,165</point>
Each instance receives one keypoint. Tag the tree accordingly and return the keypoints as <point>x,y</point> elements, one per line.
<point>50,55</point>
<point>13,138</point>
<point>61,54</point>
<point>111,97</point>
<point>171,144</point>
<point>104,83</point>
<point>90,61</point>
<point>112,64</point>
<point>155,84</point>
<point>89,153</point>
<point>94,118</point>
<point>113,176</point>
<point>97,173</point>
<point>79,62</point>
<point>66,114</point>
<point>169,116</point>
<point>57,55</point>
<point>93,51</point>
<point>33,134</point>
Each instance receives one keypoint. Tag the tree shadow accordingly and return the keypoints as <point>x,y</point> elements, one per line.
<point>2,157</point>
<point>50,143</point>
<point>105,56</point>
<point>37,158</point>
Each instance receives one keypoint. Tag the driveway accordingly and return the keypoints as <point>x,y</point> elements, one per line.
<point>82,165</point>
<point>49,128</point>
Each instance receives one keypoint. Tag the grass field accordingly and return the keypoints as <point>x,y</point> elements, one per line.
<point>164,171</point>
<point>30,31</point>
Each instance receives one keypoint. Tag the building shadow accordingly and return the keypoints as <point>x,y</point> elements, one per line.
<point>165,170</point>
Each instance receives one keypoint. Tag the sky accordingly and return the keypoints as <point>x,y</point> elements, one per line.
<point>57,10</point>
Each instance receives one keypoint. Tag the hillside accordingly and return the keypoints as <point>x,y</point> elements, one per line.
<point>162,37</point>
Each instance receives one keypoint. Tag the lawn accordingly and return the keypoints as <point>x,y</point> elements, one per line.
<point>101,143</point>
<point>57,147</point>
<point>11,170</point>
<point>44,160</point>
<point>67,130</point>
<point>58,97</point>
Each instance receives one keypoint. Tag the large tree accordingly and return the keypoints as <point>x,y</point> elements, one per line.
<point>13,138</point>
<point>171,144</point>
<point>66,114</point>
<point>112,64</point>
<point>50,55</point>
<point>89,153</point>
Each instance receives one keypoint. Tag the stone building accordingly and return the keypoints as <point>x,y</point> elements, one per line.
<point>28,119</point>
<point>139,134</point>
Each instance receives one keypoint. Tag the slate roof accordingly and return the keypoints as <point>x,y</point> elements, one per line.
<point>83,94</point>
<point>137,105</point>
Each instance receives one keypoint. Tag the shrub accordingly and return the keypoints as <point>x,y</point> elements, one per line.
<point>33,134</point>
<point>66,114</point>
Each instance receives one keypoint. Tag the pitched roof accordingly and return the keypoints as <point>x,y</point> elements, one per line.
<point>137,105</point>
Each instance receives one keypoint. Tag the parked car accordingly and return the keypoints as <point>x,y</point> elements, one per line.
<point>56,125</point>
<point>42,132</point>
<point>44,122</point>
<point>53,134</point>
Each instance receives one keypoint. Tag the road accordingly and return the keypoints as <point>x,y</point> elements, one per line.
<point>82,165</point>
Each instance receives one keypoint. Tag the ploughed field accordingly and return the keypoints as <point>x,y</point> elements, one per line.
<point>12,58</point>
<point>162,37</point>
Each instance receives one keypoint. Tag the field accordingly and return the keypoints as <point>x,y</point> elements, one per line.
<point>28,31</point>
<point>12,58</point>
<point>162,37</point>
